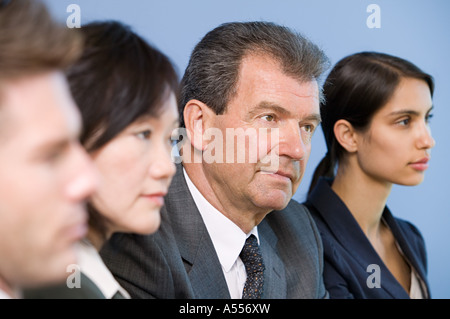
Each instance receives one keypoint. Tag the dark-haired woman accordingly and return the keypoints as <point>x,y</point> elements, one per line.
<point>376,127</point>
<point>126,91</point>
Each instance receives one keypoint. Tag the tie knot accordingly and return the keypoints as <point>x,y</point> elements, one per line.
<point>251,255</point>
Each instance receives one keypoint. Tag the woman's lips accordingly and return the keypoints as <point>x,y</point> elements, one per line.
<point>420,165</point>
<point>156,198</point>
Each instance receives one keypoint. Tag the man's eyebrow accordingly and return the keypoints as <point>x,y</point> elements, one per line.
<point>54,145</point>
<point>313,117</point>
<point>268,106</point>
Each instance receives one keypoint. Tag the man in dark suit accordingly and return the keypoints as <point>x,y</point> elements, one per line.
<point>230,229</point>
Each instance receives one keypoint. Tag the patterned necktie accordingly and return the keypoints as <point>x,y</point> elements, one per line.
<point>254,266</point>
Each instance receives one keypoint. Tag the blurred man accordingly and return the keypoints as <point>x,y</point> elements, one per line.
<point>45,175</point>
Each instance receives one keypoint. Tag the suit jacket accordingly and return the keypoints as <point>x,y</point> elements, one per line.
<point>87,290</point>
<point>179,260</point>
<point>348,252</point>
<point>96,281</point>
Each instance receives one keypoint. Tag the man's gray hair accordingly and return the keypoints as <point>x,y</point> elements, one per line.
<point>212,73</point>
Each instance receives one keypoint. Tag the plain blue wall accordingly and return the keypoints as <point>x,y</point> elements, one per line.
<point>417,30</point>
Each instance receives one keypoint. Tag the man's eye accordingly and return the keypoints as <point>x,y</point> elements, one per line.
<point>309,128</point>
<point>268,118</point>
<point>54,156</point>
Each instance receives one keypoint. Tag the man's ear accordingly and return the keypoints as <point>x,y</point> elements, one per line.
<point>197,119</point>
<point>346,135</point>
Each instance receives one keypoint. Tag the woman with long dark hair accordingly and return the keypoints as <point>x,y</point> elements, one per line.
<point>376,127</point>
<point>126,91</point>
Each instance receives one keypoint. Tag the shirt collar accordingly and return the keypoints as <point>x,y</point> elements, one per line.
<point>14,293</point>
<point>92,266</point>
<point>228,239</point>
<point>4,295</point>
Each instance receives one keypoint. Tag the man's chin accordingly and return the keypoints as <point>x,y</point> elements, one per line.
<point>277,200</point>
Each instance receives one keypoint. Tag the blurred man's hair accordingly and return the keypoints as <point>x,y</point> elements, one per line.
<point>31,42</point>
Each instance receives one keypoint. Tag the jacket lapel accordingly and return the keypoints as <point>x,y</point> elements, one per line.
<point>275,285</point>
<point>347,231</point>
<point>195,245</point>
<point>405,245</point>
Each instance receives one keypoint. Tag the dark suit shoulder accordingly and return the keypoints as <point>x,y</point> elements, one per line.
<point>414,238</point>
<point>298,217</point>
<point>86,290</point>
<point>299,246</point>
<point>148,266</point>
<point>297,213</point>
<point>132,259</point>
<point>410,229</point>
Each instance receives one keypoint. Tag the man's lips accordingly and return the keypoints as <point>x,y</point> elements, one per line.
<point>77,229</point>
<point>285,174</point>
<point>280,173</point>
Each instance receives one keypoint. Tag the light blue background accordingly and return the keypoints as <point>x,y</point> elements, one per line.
<point>417,30</point>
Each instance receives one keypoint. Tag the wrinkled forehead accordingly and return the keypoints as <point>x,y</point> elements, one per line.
<point>269,68</point>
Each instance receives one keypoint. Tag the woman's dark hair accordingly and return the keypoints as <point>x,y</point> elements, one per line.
<point>356,88</point>
<point>118,79</point>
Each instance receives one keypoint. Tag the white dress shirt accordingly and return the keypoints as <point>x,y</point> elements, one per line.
<point>228,240</point>
<point>92,265</point>
<point>417,288</point>
<point>16,293</point>
<point>415,291</point>
<point>4,295</point>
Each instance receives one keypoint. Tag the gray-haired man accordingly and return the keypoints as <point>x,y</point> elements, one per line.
<point>259,80</point>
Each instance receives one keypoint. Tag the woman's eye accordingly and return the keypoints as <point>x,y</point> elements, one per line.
<point>404,122</point>
<point>145,135</point>
<point>428,118</point>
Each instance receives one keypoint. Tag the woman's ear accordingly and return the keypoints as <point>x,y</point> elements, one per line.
<point>197,118</point>
<point>346,136</point>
